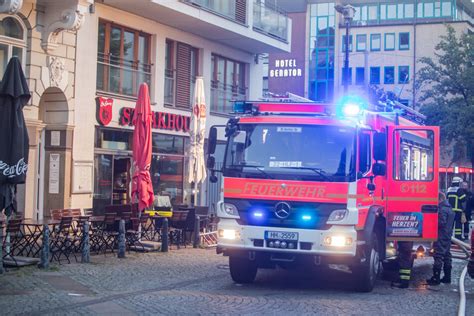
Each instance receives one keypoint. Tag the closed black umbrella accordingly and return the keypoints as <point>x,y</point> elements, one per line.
<point>14,143</point>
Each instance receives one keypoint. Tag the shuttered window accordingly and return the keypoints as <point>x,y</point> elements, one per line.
<point>180,73</point>
<point>241,11</point>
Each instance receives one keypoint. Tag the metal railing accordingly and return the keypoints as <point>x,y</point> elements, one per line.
<point>223,95</point>
<point>121,76</point>
<point>221,7</point>
<point>270,20</point>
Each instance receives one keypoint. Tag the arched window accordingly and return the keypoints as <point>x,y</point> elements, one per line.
<point>12,40</point>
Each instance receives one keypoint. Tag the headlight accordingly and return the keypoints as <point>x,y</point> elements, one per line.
<point>229,211</point>
<point>338,241</point>
<point>338,215</point>
<point>231,234</point>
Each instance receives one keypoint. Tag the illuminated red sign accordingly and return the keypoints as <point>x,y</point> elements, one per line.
<point>160,120</point>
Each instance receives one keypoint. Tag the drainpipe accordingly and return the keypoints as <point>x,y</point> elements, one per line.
<point>414,54</point>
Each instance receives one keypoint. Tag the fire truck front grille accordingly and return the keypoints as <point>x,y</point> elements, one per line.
<point>301,214</point>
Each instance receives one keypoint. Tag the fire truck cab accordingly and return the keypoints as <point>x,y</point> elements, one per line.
<point>314,184</point>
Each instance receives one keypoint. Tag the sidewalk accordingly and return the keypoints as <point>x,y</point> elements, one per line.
<point>31,290</point>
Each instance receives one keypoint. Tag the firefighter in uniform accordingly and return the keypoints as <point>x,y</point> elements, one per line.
<point>457,199</point>
<point>468,209</point>
<point>442,247</point>
<point>405,263</point>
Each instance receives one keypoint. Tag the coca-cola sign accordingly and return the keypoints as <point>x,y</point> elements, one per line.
<point>18,169</point>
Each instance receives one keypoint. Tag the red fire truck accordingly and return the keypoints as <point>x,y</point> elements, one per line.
<point>307,183</point>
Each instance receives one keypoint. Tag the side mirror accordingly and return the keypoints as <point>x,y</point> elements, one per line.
<point>212,140</point>
<point>211,162</point>
<point>379,169</point>
<point>380,146</point>
<point>213,178</point>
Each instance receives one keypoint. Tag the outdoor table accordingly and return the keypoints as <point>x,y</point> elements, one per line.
<point>33,232</point>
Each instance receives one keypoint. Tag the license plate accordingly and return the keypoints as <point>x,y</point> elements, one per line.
<point>281,235</point>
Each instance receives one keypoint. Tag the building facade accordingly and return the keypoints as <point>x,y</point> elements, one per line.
<point>387,39</point>
<point>84,61</point>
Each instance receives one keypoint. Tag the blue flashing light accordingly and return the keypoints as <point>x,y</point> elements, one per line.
<point>241,107</point>
<point>306,217</point>
<point>258,214</point>
<point>351,109</point>
<point>351,106</point>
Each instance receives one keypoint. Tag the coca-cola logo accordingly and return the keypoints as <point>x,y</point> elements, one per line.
<point>16,170</point>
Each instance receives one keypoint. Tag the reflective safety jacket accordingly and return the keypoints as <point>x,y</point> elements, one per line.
<point>457,198</point>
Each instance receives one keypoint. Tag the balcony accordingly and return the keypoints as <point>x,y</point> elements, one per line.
<point>270,20</point>
<point>223,95</point>
<point>229,22</point>
<point>235,11</point>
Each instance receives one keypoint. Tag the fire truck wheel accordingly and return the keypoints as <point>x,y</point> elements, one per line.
<point>242,270</point>
<point>366,272</point>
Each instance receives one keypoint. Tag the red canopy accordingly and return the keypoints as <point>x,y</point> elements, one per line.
<point>142,187</point>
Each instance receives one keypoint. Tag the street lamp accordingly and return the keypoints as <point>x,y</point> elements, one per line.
<point>347,12</point>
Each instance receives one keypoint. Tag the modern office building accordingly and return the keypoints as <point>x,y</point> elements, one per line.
<point>84,61</point>
<point>387,38</point>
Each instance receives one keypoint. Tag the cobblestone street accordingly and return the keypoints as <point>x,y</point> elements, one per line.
<point>197,281</point>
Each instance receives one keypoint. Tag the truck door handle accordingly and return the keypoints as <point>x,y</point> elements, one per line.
<point>429,209</point>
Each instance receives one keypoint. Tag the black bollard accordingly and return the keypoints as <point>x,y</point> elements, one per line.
<point>86,249</point>
<point>197,238</point>
<point>121,241</point>
<point>1,247</point>
<point>164,235</point>
<point>44,260</point>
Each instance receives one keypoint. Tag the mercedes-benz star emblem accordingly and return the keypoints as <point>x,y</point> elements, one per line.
<point>282,210</point>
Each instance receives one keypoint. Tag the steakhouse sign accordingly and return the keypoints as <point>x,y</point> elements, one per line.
<point>160,120</point>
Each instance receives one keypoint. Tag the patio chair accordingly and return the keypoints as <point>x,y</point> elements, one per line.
<point>88,212</point>
<point>79,232</point>
<point>17,241</point>
<point>133,235</point>
<point>107,234</point>
<point>62,240</point>
<point>177,226</point>
<point>56,214</point>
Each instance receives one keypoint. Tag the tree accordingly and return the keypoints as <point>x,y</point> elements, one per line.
<point>447,91</point>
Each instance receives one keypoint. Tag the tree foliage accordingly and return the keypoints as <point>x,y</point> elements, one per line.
<point>446,85</point>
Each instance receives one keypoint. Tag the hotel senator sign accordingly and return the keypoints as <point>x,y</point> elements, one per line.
<point>160,120</point>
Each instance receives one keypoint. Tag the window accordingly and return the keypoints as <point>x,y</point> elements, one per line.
<point>419,10</point>
<point>391,11</point>
<point>404,41</point>
<point>428,10</point>
<point>374,75</point>
<point>375,42</point>
<point>123,59</point>
<point>349,78</point>
<point>446,8</point>
<point>181,70</point>
<point>229,82</point>
<point>361,42</point>
<point>389,41</point>
<point>12,41</point>
<point>403,74</point>
<point>344,43</point>
<point>364,153</point>
<point>409,10</point>
<point>437,9</point>
<point>389,75</point>
<point>373,12</point>
<point>360,76</point>
<point>413,155</point>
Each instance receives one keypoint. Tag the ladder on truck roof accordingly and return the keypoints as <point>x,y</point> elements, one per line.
<point>294,104</point>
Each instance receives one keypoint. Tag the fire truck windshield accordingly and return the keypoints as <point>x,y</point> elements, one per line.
<point>291,152</point>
